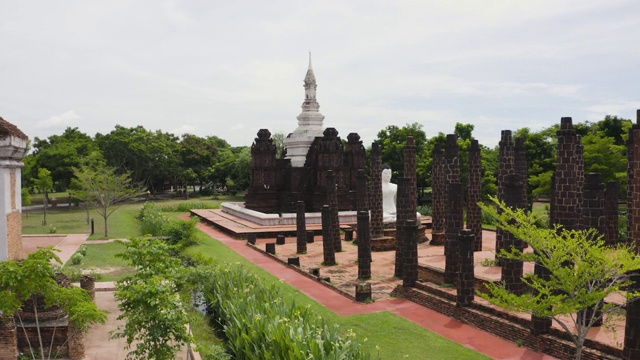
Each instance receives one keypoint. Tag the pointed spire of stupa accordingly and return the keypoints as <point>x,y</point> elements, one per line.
<point>310,82</point>
<point>309,123</point>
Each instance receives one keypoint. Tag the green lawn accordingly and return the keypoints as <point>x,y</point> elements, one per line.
<point>101,260</point>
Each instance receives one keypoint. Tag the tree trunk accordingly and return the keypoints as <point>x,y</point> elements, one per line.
<point>44,220</point>
<point>106,232</point>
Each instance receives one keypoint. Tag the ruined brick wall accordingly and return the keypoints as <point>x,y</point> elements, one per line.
<point>437,196</point>
<point>611,235</point>
<point>8,339</point>
<point>506,166</point>
<point>262,195</point>
<point>593,200</point>
<point>474,212</point>
<point>375,191</point>
<point>521,169</point>
<point>403,213</point>
<point>410,166</point>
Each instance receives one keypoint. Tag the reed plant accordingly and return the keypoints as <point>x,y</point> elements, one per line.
<point>278,329</point>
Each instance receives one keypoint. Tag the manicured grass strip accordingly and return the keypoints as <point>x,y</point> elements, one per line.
<point>101,256</point>
<point>393,335</point>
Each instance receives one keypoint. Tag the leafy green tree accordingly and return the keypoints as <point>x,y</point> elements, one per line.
<point>152,158</point>
<point>26,279</point>
<point>153,301</point>
<point>278,141</point>
<point>541,158</point>
<point>583,272</point>
<point>392,140</point>
<point>60,154</point>
<point>44,183</point>
<point>104,187</point>
<point>197,154</point>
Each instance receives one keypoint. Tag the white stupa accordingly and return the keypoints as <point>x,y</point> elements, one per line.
<point>309,123</point>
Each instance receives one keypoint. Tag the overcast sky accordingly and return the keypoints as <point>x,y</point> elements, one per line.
<point>230,68</point>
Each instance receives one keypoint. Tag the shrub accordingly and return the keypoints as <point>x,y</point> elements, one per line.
<point>279,330</point>
<point>425,210</point>
<point>76,258</point>
<point>152,219</point>
<point>52,229</point>
<point>82,250</point>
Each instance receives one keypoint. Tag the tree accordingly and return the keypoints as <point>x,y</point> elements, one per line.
<point>23,280</point>
<point>392,140</point>
<point>583,272</point>
<point>103,186</point>
<point>44,183</point>
<point>153,301</point>
<point>197,154</point>
<point>60,154</point>
<point>152,158</point>
<point>278,141</point>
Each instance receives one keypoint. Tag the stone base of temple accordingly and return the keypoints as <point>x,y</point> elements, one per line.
<point>438,238</point>
<point>383,243</point>
<point>239,210</point>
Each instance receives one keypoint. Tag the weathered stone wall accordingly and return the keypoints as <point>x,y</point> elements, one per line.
<point>8,339</point>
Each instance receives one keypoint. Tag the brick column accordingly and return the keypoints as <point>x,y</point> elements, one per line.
<point>327,239</point>
<point>593,203</point>
<point>88,283</point>
<point>466,279</point>
<point>611,235</point>
<point>474,212</point>
<point>512,270</point>
<point>364,245</point>
<point>362,203</point>
<point>75,338</point>
<point>301,228</point>
<point>567,193</point>
<point>437,196</point>
<point>403,213</point>
<point>506,166</point>
<point>454,226</point>
<point>631,348</point>
<point>332,197</point>
<point>522,170</point>
<point>375,191</point>
<point>410,254</point>
<point>633,185</point>
<point>410,166</point>
<point>451,175</point>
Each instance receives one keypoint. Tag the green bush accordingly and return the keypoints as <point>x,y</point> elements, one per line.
<point>76,258</point>
<point>279,329</point>
<point>488,219</point>
<point>152,219</point>
<point>425,210</point>
<point>82,250</point>
<point>178,232</point>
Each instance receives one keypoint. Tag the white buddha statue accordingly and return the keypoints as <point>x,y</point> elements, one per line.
<point>389,193</point>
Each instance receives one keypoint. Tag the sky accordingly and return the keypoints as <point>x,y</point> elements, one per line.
<point>230,68</point>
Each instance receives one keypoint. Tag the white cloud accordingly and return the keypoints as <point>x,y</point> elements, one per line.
<point>184,129</point>
<point>65,119</point>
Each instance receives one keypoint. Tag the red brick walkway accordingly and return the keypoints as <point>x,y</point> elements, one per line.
<point>449,328</point>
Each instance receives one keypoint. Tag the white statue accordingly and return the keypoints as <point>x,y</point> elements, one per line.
<point>389,192</point>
